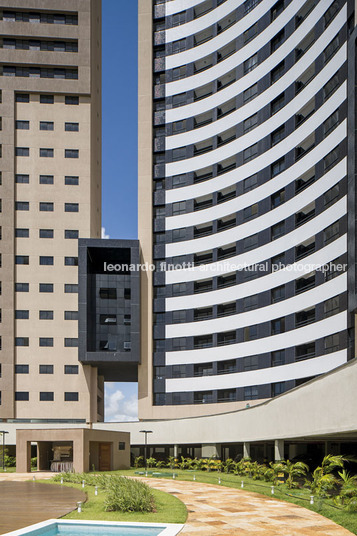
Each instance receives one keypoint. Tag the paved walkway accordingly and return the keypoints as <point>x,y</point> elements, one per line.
<point>24,503</point>
<point>220,511</point>
<point>212,510</point>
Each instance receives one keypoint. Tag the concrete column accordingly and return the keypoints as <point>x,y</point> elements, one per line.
<point>246,450</point>
<point>332,448</point>
<point>80,457</point>
<point>278,449</point>
<point>211,450</point>
<point>293,451</point>
<point>23,456</point>
<point>176,451</point>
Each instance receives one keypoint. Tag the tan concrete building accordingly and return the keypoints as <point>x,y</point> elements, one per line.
<point>76,449</point>
<point>50,109</point>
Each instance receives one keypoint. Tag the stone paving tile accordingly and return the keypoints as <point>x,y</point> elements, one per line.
<point>217,511</point>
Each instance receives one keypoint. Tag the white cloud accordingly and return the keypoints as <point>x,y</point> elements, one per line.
<point>104,234</point>
<point>119,408</point>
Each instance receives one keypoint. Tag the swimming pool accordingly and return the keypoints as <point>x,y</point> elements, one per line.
<point>67,527</point>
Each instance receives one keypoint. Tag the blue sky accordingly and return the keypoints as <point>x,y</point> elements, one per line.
<point>119,170</point>
<point>120,118</point>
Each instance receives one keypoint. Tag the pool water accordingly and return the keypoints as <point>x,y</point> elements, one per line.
<point>94,530</point>
<point>55,527</point>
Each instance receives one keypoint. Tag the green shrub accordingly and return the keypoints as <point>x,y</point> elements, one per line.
<point>122,493</point>
<point>128,495</point>
<point>34,462</point>
<point>139,462</point>
<point>10,461</point>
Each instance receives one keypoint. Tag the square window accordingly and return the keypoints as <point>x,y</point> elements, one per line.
<point>250,123</point>
<point>71,100</point>
<point>22,151</point>
<point>22,97</point>
<point>71,369</point>
<point>47,99</point>
<point>46,207</point>
<point>22,259</point>
<point>70,288</point>
<point>22,314</point>
<point>22,205</point>
<point>71,397</point>
<point>22,233</point>
<point>46,153</point>
<point>71,127</point>
<point>250,93</point>
<point>22,179</point>
<point>71,207</point>
<point>45,369</point>
<point>21,369</point>
<point>46,287</point>
<point>250,153</point>
<point>250,64</point>
<point>22,287</point>
<point>71,234</point>
<point>46,179</point>
<point>22,341</point>
<point>46,261</point>
<point>71,261</point>
<point>46,315</point>
<point>71,153</point>
<point>21,396</point>
<point>45,341</point>
<point>108,319</point>
<point>278,166</point>
<point>108,293</point>
<point>71,342</point>
<point>71,315</point>
<point>71,181</point>
<point>46,125</point>
<point>47,396</point>
<point>46,233</point>
<point>22,125</point>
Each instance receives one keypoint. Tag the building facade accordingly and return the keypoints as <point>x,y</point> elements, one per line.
<point>246,141</point>
<point>50,112</point>
<point>109,308</point>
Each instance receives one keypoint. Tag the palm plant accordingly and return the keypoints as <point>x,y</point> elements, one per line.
<point>323,479</point>
<point>243,467</point>
<point>348,491</point>
<point>191,463</point>
<point>184,463</point>
<point>277,467</point>
<point>295,470</point>
<point>171,461</point>
<point>200,464</point>
<point>229,465</point>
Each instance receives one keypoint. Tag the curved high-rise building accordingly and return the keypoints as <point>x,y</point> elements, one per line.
<point>246,128</point>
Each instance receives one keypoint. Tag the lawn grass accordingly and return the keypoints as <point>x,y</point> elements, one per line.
<point>169,509</point>
<point>8,470</point>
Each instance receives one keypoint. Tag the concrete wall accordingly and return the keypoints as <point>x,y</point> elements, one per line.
<point>320,409</point>
<point>145,210</point>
